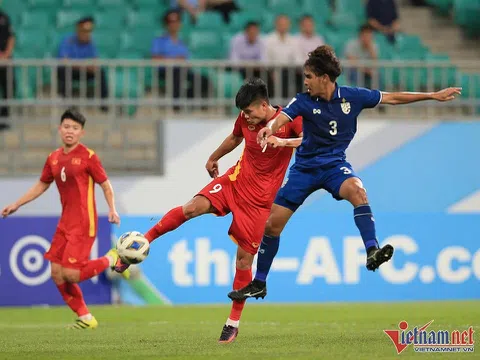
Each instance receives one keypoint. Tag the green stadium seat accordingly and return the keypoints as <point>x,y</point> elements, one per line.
<point>441,76</point>
<point>210,20</point>
<point>410,46</point>
<point>470,84</point>
<point>207,45</point>
<point>78,3</point>
<point>25,82</point>
<point>320,10</point>
<point>106,42</point>
<point>44,4</point>
<point>141,4</point>
<point>139,40</point>
<point>443,7</point>
<point>345,20</point>
<point>114,4</point>
<point>143,19</point>
<point>113,19</point>
<point>287,7</point>
<point>338,39</point>
<point>239,19</point>
<point>66,19</point>
<point>124,84</point>
<point>13,8</point>
<point>252,6</point>
<point>35,20</point>
<point>32,43</point>
<point>227,83</point>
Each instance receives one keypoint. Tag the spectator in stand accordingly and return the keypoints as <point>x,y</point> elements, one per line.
<point>363,47</point>
<point>195,7</point>
<point>7,43</point>
<point>80,47</point>
<point>308,39</point>
<point>248,46</point>
<point>383,17</point>
<point>169,46</point>
<point>225,7</point>
<point>282,48</point>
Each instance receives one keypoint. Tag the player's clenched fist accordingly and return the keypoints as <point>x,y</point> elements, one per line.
<point>263,135</point>
<point>212,168</point>
<point>113,217</point>
<point>8,210</point>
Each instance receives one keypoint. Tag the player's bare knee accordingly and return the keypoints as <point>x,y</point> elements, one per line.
<point>71,275</point>
<point>243,263</point>
<point>199,205</point>
<point>272,227</point>
<point>359,195</point>
<point>57,276</point>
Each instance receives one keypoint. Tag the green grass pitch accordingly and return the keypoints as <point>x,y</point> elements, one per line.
<point>267,331</point>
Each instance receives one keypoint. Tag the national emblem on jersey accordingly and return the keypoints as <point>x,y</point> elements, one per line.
<point>345,106</point>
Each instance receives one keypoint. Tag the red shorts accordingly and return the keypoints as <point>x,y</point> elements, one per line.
<point>248,220</point>
<point>70,251</point>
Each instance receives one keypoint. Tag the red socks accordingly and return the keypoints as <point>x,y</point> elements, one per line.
<point>73,297</point>
<point>242,278</point>
<point>172,220</point>
<point>94,268</point>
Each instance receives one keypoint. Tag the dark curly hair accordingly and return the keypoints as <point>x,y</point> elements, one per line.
<point>322,61</point>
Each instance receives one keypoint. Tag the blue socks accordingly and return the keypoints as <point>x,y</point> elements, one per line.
<point>366,224</point>
<point>266,253</point>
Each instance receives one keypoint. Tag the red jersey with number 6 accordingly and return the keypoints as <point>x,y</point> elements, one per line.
<point>75,174</point>
<point>257,176</point>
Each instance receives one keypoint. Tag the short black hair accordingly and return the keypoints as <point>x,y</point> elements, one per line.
<point>86,19</point>
<point>250,24</point>
<point>168,13</point>
<point>305,17</point>
<point>322,61</point>
<point>365,27</point>
<point>253,90</point>
<point>75,115</point>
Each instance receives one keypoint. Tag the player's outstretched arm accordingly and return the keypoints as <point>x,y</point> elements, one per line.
<point>275,142</point>
<point>398,98</point>
<point>110,198</point>
<point>228,145</point>
<point>34,192</point>
<point>271,128</point>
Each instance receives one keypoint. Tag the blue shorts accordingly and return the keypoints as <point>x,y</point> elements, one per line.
<point>301,182</point>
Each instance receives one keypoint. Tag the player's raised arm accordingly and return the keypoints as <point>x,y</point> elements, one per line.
<point>399,98</point>
<point>271,128</point>
<point>228,145</point>
<point>34,192</point>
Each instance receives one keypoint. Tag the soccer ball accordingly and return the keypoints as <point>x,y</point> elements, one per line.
<point>132,247</point>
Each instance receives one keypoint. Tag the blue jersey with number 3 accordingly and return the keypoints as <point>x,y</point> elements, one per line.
<point>329,126</point>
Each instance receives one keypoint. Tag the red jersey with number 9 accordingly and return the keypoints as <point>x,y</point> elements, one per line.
<point>258,175</point>
<point>75,174</point>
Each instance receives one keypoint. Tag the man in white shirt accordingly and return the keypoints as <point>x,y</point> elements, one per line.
<point>281,48</point>
<point>308,40</point>
<point>248,46</point>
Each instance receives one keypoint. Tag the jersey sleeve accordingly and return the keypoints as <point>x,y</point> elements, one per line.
<point>96,170</point>
<point>297,125</point>
<point>293,109</point>
<point>47,175</point>
<point>237,128</point>
<point>369,98</point>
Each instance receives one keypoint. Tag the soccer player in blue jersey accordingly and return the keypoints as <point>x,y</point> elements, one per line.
<point>329,114</point>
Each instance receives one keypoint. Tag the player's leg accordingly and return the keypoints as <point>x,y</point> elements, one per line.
<point>343,183</point>
<point>209,200</point>
<point>243,276</point>
<point>299,186</point>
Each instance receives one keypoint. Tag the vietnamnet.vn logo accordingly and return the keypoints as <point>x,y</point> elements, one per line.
<point>424,340</point>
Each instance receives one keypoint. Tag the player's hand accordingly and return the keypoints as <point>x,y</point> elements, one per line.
<point>275,142</point>
<point>447,94</point>
<point>113,217</point>
<point>8,210</point>
<point>263,135</point>
<point>212,168</point>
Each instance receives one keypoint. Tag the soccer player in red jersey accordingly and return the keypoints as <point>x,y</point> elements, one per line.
<point>247,190</point>
<point>75,169</point>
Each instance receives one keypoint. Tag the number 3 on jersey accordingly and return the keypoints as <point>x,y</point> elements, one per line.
<point>63,176</point>
<point>333,127</point>
<point>216,189</point>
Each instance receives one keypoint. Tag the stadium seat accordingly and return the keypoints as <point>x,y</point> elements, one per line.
<point>113,19</point>
<point>143,19</point>
<point>210,20</point>
<point>78,3</point>
<point>252,6</point>
<point>410,46</point>
<point>227,83</point>
<point>345,20</point>
<point>106,42</point>
<point>14,9</point>
<point>25,83</point>
<point>112,4</point>
<point>35,20</point>
<point>442,76</point>
<point>68,19</point>
<point>32,43</point>
<point>140,4</point>
<point>320,10</point>
<point>44,4</point>
<point>206,45</point>
<point>442,6</point>
<point>470,84</point>
<point>124,84</point>
<point>288,7</point>
<point>239,19</point>
<point>138,41</point>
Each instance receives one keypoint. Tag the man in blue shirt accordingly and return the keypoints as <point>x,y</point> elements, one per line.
<point>329,116</point>
<point>80,47</point>
<point>170,46</point>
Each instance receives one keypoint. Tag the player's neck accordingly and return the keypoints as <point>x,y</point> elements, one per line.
<point>69,148</point>
<point>270,112</point>
<point>329,92</point>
